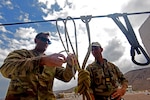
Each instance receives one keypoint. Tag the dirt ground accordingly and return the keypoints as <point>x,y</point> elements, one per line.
<point>127,96</point>
<point>137,96</point>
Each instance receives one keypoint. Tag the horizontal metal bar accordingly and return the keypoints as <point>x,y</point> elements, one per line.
<point>17,23</point>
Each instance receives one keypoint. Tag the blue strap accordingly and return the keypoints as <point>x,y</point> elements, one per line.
<point>131,37</point>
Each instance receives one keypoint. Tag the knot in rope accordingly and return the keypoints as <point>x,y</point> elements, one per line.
<point>84,83</point>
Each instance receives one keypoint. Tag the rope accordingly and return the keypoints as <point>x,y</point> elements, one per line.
<point>83,75</point>
<point>86,20</point>
<point>84,83</point>
<point>67,37</point>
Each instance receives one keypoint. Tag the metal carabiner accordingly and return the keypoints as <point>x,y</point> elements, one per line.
<point>131,37</point>
<point>144,53</point>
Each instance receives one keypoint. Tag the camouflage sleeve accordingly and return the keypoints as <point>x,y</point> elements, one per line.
<point>64,74</point>
<point>122,80</point>
<point>18,62</point>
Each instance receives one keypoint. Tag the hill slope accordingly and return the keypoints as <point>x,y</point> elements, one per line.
<point>139,79</point>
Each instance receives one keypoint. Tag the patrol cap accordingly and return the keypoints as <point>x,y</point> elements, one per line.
<point>42,33</point>
<point>96,44</point>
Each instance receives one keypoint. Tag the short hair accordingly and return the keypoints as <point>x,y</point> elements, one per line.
<point>42,33</point>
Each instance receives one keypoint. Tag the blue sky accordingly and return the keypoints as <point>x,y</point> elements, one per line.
<point>103,30</point>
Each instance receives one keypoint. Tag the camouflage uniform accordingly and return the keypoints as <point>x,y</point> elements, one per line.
<point>105,79</point>
<point>29,80</point>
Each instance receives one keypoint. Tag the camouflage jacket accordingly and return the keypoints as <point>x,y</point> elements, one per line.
<point>29,80</point>
<point>105,79</point>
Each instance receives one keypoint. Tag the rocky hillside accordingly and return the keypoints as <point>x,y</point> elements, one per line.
<point>139,79</point>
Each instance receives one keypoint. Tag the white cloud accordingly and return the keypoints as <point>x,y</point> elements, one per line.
<point>1,17</point>
<point>88,7</point>
<point>3,54</point>
<point>48,3</point>
<point>136,6</point>
<point>7,3</point>
<point>25,33</point>
<point>24,17</point>
<point>116,50</point>
<point>3,29</point>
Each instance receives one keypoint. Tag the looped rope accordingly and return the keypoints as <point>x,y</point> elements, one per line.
<point>84,79</point>
<point>67,37</point>
<point>83,76</point>
<point>86,20</point>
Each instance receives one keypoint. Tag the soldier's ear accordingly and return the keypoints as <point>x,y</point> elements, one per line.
<point>101,49</point>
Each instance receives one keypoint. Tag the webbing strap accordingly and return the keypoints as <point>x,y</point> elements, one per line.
<point>131,37</point>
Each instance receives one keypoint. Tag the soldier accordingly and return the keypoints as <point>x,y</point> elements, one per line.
<point>32,73</point>
<point>105,77</point>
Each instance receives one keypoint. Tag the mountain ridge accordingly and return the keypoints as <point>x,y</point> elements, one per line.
<point>139,79</point>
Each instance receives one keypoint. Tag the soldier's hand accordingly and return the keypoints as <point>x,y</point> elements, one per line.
<point>53,60</point>
<point>118,94</point>
<point>72,60</point>
<point>92,96</point>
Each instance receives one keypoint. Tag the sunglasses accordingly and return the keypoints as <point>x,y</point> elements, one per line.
<point>95,48</point>
<point>44,40</point>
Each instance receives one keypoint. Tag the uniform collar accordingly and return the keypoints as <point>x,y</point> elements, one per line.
<point>37,53</point>
<point>101,64</point>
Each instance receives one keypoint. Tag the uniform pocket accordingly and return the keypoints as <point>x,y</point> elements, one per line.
<point>98,76</point>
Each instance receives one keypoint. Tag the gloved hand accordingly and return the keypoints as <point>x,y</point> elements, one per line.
<point>53,60</point>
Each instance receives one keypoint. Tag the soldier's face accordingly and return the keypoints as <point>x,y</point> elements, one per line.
<point>43,42</point>
<point>96,51</point>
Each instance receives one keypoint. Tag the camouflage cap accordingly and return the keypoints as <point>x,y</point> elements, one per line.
<point>96,44</point>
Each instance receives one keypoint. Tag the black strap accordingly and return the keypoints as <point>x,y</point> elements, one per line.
<point>131,37</point>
